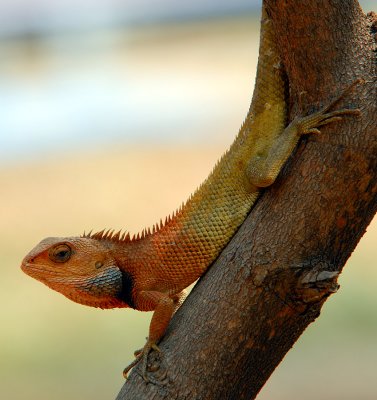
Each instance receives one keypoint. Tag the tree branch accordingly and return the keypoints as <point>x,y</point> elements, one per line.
<point>274,276</point>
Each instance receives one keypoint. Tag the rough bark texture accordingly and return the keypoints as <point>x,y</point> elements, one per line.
<point>274,276</point>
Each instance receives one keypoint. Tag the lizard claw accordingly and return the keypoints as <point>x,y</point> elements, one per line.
<point>131,365</point>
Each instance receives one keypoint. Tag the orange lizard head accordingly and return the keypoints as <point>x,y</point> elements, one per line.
<point>82,269</point>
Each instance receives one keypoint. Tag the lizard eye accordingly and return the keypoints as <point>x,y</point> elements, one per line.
<point>60,254</point>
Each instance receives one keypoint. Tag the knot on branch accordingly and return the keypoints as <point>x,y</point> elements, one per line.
<point>316,285</point>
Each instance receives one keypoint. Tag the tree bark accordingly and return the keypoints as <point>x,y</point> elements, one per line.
<point>272,279</point>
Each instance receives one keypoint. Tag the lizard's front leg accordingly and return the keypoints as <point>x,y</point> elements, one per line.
<point>164,307</point>
<point>264,167</point>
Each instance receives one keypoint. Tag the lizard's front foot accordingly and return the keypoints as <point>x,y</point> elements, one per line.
<point>142,356</point>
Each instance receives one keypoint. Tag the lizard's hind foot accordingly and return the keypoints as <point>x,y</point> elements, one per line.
<point>311,123</point>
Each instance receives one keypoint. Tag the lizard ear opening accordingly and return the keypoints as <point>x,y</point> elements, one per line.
<point>60,253</point>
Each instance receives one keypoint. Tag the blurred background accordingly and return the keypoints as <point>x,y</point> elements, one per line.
<point>111,113</point>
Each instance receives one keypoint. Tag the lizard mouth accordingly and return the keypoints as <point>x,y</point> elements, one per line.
<point>52,279</point>
<point>27,267</point>
<point>32,270</point>
<point>38,272</point>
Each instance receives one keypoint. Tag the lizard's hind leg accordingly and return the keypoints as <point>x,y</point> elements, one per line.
<point>263,169</point>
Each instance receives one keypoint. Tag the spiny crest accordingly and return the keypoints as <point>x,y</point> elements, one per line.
<point>125,237</point>
<point>109,235</point>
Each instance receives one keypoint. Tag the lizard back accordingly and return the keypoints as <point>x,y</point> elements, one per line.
<point>180,251</point>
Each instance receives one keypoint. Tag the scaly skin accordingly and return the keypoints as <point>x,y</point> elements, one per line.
<point>149,272</point>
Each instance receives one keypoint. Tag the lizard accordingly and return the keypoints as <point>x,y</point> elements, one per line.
<point>149,271</point>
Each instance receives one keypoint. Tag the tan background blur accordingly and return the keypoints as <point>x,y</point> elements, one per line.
<point>181,90</point>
